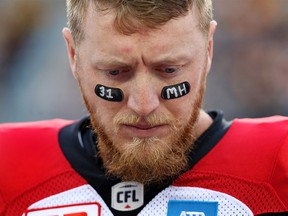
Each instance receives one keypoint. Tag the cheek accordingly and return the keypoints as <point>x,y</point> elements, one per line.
<point>105,110</point>
<point>182,108</point>
<point>102,110</point>
<point>104,113</point>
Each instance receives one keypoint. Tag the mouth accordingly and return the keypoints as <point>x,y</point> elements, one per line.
<point>143,126</point>
<point>144,130</point>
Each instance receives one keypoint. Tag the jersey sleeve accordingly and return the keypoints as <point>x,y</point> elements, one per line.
<point>279,176</point>
<point>29,154</point>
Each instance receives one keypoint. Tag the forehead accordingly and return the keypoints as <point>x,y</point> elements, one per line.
<point>101,35</point>
<point>104,19</point>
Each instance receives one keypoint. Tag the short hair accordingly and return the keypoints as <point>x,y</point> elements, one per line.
<point>132,15</point>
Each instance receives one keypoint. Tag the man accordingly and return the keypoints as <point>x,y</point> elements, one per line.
<point>147,147</point>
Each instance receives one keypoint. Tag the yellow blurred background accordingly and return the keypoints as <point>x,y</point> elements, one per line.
<point>249,76</point>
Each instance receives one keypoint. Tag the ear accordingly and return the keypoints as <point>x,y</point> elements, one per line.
<point>70,49</point>
<point>213,25</point>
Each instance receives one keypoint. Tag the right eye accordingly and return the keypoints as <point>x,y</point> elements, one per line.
<point>114,72</point>
<point>120,74</point>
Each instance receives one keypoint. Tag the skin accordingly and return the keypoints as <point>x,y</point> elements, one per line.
<point>141,64</point>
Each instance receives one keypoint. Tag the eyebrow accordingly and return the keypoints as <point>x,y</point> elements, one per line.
<point>109,62</point>
<point>168,59</point>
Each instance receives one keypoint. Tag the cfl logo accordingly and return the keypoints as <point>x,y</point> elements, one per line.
<point>127,196</point>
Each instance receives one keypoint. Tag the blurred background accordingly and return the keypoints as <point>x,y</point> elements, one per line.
<point>249,76</point>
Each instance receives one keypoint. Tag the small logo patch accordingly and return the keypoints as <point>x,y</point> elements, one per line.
<point>192,208</point>
<point>127,196</point>
<point>91,209</point>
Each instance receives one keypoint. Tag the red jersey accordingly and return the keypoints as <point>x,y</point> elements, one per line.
<point>238,168</point>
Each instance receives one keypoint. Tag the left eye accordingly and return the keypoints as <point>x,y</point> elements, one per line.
<point>169,70</point>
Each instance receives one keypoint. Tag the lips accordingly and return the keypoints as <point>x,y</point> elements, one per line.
<point>143,126</point>
<point>144,130</point>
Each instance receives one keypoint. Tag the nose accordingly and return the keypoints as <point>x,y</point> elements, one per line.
<point>143,98</point>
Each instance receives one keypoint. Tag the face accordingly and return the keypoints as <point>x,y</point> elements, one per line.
<point>142,138</point>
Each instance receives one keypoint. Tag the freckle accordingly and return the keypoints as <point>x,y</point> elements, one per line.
<point>126,49</point>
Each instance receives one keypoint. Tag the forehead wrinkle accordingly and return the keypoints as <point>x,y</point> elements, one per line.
<point>165,51</point>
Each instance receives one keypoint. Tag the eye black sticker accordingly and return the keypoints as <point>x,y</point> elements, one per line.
<point>108,93</point>
<point>175,91</point>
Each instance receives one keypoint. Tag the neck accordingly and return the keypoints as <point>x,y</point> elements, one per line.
<point>203,123</point>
